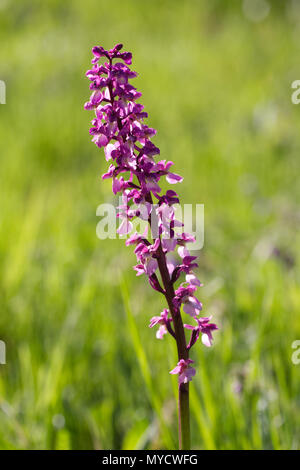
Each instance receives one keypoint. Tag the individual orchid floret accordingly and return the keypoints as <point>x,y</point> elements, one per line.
<point>184,371</point>
<point>184,295</point>
<point>203,326</point>
<point>145,254</point>
<point>165,324</point>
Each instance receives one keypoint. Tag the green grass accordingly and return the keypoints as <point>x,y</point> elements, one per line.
<point>83,368</point>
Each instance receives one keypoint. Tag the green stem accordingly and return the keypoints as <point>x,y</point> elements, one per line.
<point>183,353</point>
<point>184,417</point>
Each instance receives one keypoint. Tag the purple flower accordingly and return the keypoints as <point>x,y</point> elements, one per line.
<point>165,324</point>
<point>204,327</point>
<point>183,369</point>
<point>184,295</point>
<point>162,255</point>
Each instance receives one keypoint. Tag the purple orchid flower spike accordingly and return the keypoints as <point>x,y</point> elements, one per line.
<point>118,126</point>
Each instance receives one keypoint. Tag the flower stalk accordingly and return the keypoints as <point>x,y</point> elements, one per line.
<point>183,354</point>
<point>119,127</point>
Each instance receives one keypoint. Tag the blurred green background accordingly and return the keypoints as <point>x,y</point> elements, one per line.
<point>83,368</point>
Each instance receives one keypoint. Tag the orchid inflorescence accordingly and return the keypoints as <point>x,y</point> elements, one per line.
<point>119,127</point>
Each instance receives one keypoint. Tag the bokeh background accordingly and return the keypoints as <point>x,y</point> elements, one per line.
<point>83,369</point>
